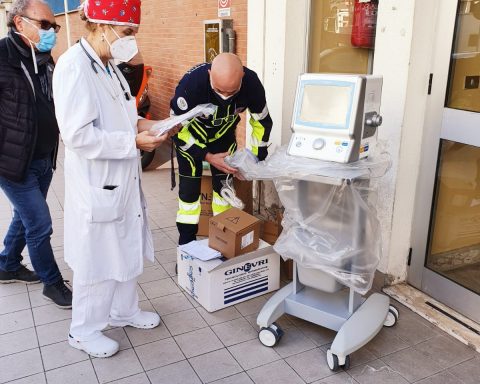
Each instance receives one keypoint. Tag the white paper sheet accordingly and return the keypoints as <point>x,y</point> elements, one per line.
<point>200,250</point>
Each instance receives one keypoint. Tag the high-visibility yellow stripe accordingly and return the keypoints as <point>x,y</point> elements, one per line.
<point>258,131</point>
<point>191,141</point>
<point>219,204</point>
<point>189,207</point>
<point>189,159</point>
<point>187,219</point>
<point>262,115</point>
<point>188,213</point>
<point>196,127</point>
<point>232,148</point>
<point>222,131</point>
<point>184,135</point>
<point>199,126</point>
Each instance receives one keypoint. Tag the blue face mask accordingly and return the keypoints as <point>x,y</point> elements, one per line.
<point>48,39</point>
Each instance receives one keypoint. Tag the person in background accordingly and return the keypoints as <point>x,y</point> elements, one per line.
<point>233,88</point>
<point>28,146</point>
<point>106,227</point>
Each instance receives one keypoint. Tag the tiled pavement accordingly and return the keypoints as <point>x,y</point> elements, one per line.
<point>193,346</point>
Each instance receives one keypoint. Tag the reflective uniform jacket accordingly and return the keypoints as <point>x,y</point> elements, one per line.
<point>194,89</point>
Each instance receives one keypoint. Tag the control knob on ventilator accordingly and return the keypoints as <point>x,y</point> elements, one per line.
<point>375,121</point>
<point>318,144</point>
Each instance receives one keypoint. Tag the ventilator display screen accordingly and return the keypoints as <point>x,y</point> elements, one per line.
<point>326,105</point>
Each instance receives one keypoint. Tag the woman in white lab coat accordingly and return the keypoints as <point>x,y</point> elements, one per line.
<point>106,228</point>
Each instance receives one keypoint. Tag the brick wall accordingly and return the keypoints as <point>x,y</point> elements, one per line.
<point>171,41</point>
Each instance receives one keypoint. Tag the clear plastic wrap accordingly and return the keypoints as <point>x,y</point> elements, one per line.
<point>329,221</point>
<point>280,164</point>
<point>166,125</point>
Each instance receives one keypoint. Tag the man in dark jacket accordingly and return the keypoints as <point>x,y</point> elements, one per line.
<point>28,146</point>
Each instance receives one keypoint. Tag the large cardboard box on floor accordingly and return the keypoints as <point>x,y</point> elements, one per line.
<point>218,283</point>
<point>242,188</point>
<point>234,232</point>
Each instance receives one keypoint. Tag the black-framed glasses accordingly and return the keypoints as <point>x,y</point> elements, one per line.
<point>45,24</point>
<point>227,119</point>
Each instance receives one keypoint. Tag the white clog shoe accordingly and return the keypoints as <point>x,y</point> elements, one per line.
<point>143,320</point>
<point>102,346</point>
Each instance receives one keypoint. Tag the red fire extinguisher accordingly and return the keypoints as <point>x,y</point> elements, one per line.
<point>364,23</point>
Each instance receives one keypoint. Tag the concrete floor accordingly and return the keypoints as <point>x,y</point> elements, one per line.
<point>193,346</point>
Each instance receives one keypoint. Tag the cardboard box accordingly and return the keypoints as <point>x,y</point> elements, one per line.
<point>271,229</point>
<point>242,188</point>
<point>217,284</point>
<point>234,232</point>
<point>206,196</point>
<point>286,269</point>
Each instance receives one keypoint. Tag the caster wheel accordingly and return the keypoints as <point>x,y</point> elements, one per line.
<point>346,366</point>
<point>270,336</point>
<point>392,317</point>
<point>176,269</point>
<point>332,361</point>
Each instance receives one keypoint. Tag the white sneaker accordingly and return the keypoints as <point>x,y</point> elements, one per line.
<point>144,320</point>
<point>102,346</point>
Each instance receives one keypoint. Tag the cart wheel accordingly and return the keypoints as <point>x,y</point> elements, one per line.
<point>176,269</point>
<point>392,317</point>
<point>270,336</point>
<point>332,361</point>
<point>346,366</point>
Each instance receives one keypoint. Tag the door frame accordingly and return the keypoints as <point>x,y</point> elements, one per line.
<point>436,113</point>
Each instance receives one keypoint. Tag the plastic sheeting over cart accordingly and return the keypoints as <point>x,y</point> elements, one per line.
<point>330,221</point>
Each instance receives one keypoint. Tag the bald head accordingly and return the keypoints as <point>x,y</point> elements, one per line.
<point>226,74</point>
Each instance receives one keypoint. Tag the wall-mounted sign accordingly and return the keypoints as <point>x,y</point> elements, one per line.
<point>219,37</point>
<point>212,29</point>
<point>224,8</point>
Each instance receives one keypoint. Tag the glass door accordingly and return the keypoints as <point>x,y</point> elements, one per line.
<point>341,36</point>
<point>447,233</point>
<point>454,247</point>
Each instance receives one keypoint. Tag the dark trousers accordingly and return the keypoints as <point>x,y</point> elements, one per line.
<point>31,223</point>
<point>190,174</point>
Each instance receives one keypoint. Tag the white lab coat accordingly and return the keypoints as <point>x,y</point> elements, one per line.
<point>106,231</point>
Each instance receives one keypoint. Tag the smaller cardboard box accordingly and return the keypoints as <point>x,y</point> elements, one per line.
<point>220,283</point>
<point>243,190</point>
<point>234,232</point>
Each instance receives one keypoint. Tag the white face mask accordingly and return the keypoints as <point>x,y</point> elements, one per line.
<point>226,98</point>
<point>124,48</point>
<point>223,97</point>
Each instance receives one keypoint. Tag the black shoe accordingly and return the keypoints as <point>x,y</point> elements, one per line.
<point>59,293</point>
<point>21,275</point>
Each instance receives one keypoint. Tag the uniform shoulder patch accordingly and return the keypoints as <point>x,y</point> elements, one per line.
<point>182,103</point>
<point>196,67</point>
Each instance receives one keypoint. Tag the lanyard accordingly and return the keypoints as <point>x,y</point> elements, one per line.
<point>94,64</point>
<point>111,87</point>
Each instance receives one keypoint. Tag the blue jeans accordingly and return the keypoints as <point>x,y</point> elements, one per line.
<point>31,224</point>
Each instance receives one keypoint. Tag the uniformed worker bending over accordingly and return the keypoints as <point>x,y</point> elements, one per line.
<point>233,88</point>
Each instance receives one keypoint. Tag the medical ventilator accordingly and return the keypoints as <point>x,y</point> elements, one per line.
<point>331,230</point>
<point>336,117</point>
